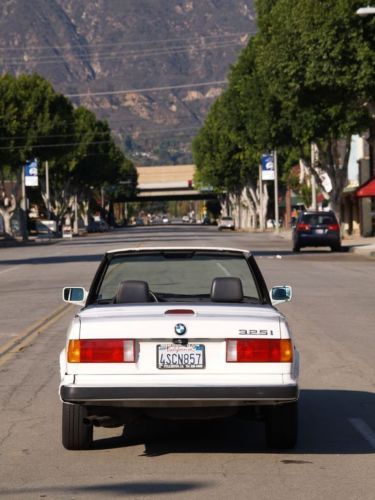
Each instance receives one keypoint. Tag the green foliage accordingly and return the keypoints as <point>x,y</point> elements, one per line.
<point>37,122</point>
<point>32,118</point>
<point>307,76</point>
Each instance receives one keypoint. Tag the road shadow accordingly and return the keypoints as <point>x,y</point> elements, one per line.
<point>111,490</point>
<point>303,253</point>
<point>324,423</point>
<point>55,259</point>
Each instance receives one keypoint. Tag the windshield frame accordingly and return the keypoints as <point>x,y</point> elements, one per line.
<point>260,284</point>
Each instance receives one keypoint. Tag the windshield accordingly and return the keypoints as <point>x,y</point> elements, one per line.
<point>173,276</point>
<point>317,219</point>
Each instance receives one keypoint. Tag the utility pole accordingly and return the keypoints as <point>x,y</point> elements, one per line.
<point>24,206</point>
<point>261,220</point>
<point>47,192</point>
<point>75,225</point>
<point>276,187</point>
<point>313,181</point>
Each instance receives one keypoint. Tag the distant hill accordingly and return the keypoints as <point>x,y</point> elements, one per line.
<point>91,46</point>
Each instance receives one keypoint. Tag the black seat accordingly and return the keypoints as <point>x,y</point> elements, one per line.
<point>132,291</point>
<point>226,290</point>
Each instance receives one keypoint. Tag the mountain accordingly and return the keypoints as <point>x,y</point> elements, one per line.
<point>157,65</point>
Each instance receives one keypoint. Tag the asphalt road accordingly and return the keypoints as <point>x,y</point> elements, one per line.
<point>332,316</point>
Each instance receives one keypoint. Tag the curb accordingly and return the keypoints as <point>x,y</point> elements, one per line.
<point>31,242</point>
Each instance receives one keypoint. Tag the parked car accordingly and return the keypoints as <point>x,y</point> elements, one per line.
<point>178,333</point>
<point>225,222</point>
<point>316,229</point>
<point>98,226</point>
<point>185,219</point>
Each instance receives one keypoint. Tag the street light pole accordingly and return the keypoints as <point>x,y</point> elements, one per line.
<point>47,192</point>
<point>276,192</point>
<point>24,206</point>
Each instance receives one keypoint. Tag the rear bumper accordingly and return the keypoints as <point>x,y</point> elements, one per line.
<point>143,396</point>
<point>317,240</point>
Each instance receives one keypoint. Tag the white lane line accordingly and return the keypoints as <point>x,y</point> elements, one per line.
<point>9,269</point>
<point>223,268</point>
<point>364,430</point>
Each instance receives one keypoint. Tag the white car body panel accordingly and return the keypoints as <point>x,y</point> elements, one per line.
<point>149,326</point>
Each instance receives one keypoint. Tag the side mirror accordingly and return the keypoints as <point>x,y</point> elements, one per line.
<point>280,294</point>
<point>74,295</point>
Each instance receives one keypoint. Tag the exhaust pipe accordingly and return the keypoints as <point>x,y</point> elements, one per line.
<point>97,421</point>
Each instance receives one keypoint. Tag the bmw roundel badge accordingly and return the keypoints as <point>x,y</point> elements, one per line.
<point>180,329</point>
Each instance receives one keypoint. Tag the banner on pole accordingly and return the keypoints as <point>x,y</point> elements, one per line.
<point>31,173</point>
<point>268,171</point>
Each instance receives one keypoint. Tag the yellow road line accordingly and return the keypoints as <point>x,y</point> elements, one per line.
<point>13,346</point>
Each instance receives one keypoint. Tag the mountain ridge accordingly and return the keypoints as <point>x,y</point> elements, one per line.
<point>105,46</point>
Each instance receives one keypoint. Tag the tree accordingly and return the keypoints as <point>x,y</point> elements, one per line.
<point>312,53</point>
<point>33,120</point>
<point>37,122</point>
<point>236,132</point>
<point>93,163</point>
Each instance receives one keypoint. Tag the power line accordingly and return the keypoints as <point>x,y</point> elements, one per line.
<point>60,59</point>
<point>129,43</point>
<point>34,146</point>
<point>148,89</point>
<point>98,133</point>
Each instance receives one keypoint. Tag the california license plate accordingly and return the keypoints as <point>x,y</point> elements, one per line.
<point>180,356</point>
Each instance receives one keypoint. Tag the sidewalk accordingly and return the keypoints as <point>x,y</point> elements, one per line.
<point>6,243</point>
<point>353,244</point>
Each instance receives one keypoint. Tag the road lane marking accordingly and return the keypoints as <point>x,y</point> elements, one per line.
<point>364,430</point>
<point>24,339</point>
<point>9,269</point>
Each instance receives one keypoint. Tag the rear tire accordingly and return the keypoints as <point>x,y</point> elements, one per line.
<point>76,435</point>
<point>282,426</point>
<point>296,248</point>
<point>336,248</point>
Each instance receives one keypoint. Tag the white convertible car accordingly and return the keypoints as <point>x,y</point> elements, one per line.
<point>178,333</point>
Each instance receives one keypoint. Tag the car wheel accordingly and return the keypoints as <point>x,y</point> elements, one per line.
<point>282,426</point>
<point>76,435</point>
<point>336,248</point>
<point>296,248</point>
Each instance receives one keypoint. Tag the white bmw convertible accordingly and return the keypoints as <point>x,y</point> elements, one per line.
<point>178,333</point>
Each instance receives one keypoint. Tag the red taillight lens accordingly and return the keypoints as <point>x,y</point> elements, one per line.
<point>179,311</point>
<point>303,227</point>
<point>101,351</point>
<point>333,227</point>
<point>259,351</point>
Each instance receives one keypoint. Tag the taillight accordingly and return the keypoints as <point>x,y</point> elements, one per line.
<point>179,311</point>
<point>303,227</point>
<point>259,351</point>
<point>333,227</point>
<point>101,351</point>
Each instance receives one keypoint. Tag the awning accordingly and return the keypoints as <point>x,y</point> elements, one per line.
<point>367,189</point>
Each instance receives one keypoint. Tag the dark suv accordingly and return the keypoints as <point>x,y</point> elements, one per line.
<point>316,229</point>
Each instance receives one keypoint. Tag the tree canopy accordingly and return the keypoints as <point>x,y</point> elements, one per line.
<point>306,77</point>
<point>37,122</point>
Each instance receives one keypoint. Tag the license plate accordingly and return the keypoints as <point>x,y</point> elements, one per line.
<point>172,356</point>
<point>319,231</point>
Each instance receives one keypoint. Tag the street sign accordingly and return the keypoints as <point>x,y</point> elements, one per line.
<point>268,171</point>
<point>31,173</point>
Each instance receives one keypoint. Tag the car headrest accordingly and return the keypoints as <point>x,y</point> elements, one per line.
<point>226,290</point>
<point>132,291</point>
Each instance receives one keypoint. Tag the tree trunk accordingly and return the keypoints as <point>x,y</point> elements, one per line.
<point>7,208</point>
